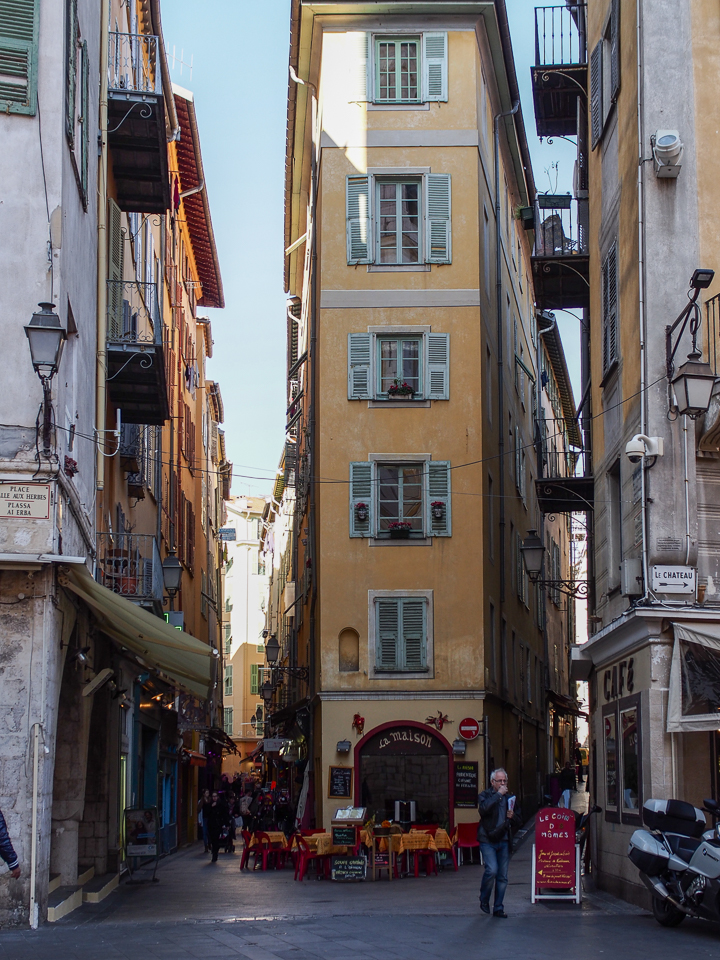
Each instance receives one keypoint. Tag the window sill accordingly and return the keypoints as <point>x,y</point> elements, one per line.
<point>402,404</point>
<point>424,674</point>
<point>398,106</point>
<point>418,542</point>
<point>399,268</point>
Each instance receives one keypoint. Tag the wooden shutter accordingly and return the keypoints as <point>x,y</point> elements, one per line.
<point>438,365</point>
<point>438,246</point>
<point>438,491</point>
<point>85,121</point>
<point>293,328</point>
<point>609,293</point>
<point>435,66</point>
<point>581,168</point>
<point>116,267</point>
<point>361,491</point>
<point>359,220</point>
<point>71,70</point>
<point>359,366</point>
<point>358,59</point>
<point>388,624</point>
<point>614,50</point>
<point>518,447</point>
<point>19,21</point>
<point>253,679</point>
<point>596,106</point>
<point>413,633</point>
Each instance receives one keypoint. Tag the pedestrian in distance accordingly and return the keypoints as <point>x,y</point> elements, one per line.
<point>216,815</point>
<point>499,817</point>
<point>205,798</point>
<point>6,850</point>
<point>568,783</point>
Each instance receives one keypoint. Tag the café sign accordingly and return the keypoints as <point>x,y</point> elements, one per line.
<point>31,501</point>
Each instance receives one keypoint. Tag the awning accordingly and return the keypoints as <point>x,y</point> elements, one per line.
<point>254,754</point>
<point>196,759</point>
<point>566,705</point>
<point>183,658</point>
<point>694,697</point>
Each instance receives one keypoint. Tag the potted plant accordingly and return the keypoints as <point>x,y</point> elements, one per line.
<point>400,529</point>
<point>361,512</point>
<point>438,509</point>
<point>400,390</point>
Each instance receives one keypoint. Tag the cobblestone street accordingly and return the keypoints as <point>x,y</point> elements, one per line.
<point>202,910</point>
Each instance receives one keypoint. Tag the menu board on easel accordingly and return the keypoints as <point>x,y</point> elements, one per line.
<point>340,782</point>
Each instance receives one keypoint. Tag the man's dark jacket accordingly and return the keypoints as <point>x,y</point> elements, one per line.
<point>6,848</point>
<point>495,825</point>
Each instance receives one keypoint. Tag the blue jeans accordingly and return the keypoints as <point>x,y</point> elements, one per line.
<point>497,858</point>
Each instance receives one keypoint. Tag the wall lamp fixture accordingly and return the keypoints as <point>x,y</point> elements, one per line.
<point>46,337</point>
<point>693,384</point>
<point>272,652</point>
<point>533,552</point>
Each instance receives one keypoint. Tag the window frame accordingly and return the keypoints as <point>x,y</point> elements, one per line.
<point>428,672</point>
<point>418,338</point>
<point>400,181</point>
<point>612,811</point>
<point>420,534</point>
<point>397,39</point>
<point>365,372</point>
<point>436,486</point>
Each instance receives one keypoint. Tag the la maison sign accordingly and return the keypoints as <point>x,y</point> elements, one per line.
<point>31,501</point>
<point>668,578</point>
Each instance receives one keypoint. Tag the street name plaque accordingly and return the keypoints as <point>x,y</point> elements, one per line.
<point>31,501</point>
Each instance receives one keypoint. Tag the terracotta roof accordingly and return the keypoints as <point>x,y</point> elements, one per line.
<point>197,207</point>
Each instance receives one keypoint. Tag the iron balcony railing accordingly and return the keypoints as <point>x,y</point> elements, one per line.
<point>129,564</point>
<point>133,313</point>
<point>557,458</point>
<point>712,308</point>
<point>560,36</point>
<point>133,63</point>
<point>561,226</point>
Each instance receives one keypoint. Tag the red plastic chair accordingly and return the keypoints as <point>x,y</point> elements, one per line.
<point>305,855</point>
<point>467,840</point>
<point>265,851</point>
<point>247,837</point>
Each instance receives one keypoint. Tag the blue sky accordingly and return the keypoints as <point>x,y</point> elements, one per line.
<point>239,52</point>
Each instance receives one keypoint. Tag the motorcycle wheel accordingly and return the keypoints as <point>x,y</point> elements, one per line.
<point>666,914</point>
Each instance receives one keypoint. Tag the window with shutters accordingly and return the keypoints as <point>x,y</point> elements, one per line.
<point>398,221</point>
<point>228,680</point>
<point>77,120</point>
<point>228,720</point>
<point>400,632</point>
<point>605,74</point>
<point>610,310</point>
<point>397,70</point>
<point>254,682</point>
<point>400,501</point>
<point>420,360</point>
<point>19,22</point>
<point>388,69</point>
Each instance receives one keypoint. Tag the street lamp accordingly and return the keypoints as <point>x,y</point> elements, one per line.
<point>267,691</point>
<point>532,551</point>
<point>695,380</point>
<point>46,337</point>
<point>172,576</point>
<point>272,649</point>
<point>272,652</point>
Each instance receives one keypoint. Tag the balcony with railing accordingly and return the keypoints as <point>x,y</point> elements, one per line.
<point>710,437</point>
<point>136,123</point>
<point>559,77</point>
<point>135,357</point>
<point>560,258</point>
<point>562,486</point>
<point>129,564</point>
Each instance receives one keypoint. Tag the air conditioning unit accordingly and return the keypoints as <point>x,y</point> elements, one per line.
<point>632,578</point>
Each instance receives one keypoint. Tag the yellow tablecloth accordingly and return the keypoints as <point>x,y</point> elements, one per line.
<point>442,840</point>
<point>417,840</point>
<point>317,842</point>
<point>276,838</point>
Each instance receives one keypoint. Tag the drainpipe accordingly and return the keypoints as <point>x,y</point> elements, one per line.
<point>641,288</point>
<point>100,399</point>
<point>192,190</point>
<point>500,362</point>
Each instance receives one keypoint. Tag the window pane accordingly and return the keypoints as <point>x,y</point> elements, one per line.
<point>388,364</point>
<point>410,222</point>
<point>412,496</point>
<point>629,729</point>
<point>389,495</point>
<point>386,62</point>
<point>411,363</point>
<point>611,760</point>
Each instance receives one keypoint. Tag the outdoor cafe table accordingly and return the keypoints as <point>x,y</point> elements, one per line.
<point>276,837</point>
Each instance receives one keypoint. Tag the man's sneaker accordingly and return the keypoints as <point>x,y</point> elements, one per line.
<point>500,913</point>
<point>485,907</point>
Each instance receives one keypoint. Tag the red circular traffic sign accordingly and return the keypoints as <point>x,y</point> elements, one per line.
<point>469,728</point>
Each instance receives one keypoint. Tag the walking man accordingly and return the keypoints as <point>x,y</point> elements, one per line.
<point>6,849</point>
<point>498,814</point>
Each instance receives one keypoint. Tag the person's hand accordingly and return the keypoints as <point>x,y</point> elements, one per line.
<point>15,873</point>
<point>502,789</point>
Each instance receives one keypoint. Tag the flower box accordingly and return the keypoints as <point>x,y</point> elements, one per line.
<point>400,533</point>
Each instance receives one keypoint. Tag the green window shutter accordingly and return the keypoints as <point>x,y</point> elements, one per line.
<point>361,492</point>
<point>609,305</point>
<point>359,366</point>
<point>253,679</point>
<point>438,366</point>
<point>71,70</point>
<point>596,109</point>
<point>116,266</point>
<point>438,489</point>
<point>388,631</point>
<point>615,50</point>
<point>437,218</point>
<point>358,46</point>
<point>18,56</point>
<point>435,60</point>
<point>359,220</point>
<point>414,634</point>
<point>85,120</point>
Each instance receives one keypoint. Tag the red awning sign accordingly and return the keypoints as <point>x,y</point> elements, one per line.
<point>469,728</point>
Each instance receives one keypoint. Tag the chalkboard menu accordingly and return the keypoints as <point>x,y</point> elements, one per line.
<point>344,836</point>
<point>340,782</point>
<point>349,868</point>
<point>466,784</point>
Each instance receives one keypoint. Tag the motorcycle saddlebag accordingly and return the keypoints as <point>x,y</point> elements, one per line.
<point>674,816</point>
<point>647,853</point>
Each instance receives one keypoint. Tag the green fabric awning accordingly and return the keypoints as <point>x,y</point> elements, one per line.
<point>185,659</point>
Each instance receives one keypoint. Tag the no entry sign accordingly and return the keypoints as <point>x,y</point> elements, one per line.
<point>469,728</point>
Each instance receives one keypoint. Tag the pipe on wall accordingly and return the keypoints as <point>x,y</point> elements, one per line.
<point>100,398</point>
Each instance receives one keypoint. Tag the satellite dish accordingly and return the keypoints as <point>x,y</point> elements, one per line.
<point>97,681</point>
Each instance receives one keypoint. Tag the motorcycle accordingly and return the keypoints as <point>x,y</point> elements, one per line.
<point>679,860</point>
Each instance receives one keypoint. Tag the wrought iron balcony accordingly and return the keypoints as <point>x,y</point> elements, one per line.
<point>559,76</point>
<point>710,438</point>
<point>561,265</point>
<point>129,564</point>
<point>135,358</point>
<point>136,123</point>
<point>562,488</point>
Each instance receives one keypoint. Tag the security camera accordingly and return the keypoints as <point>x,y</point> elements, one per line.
<point>667,150</point>
<point>641,446</point>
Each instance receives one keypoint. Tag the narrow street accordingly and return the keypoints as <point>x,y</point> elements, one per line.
<point>203,910</point>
